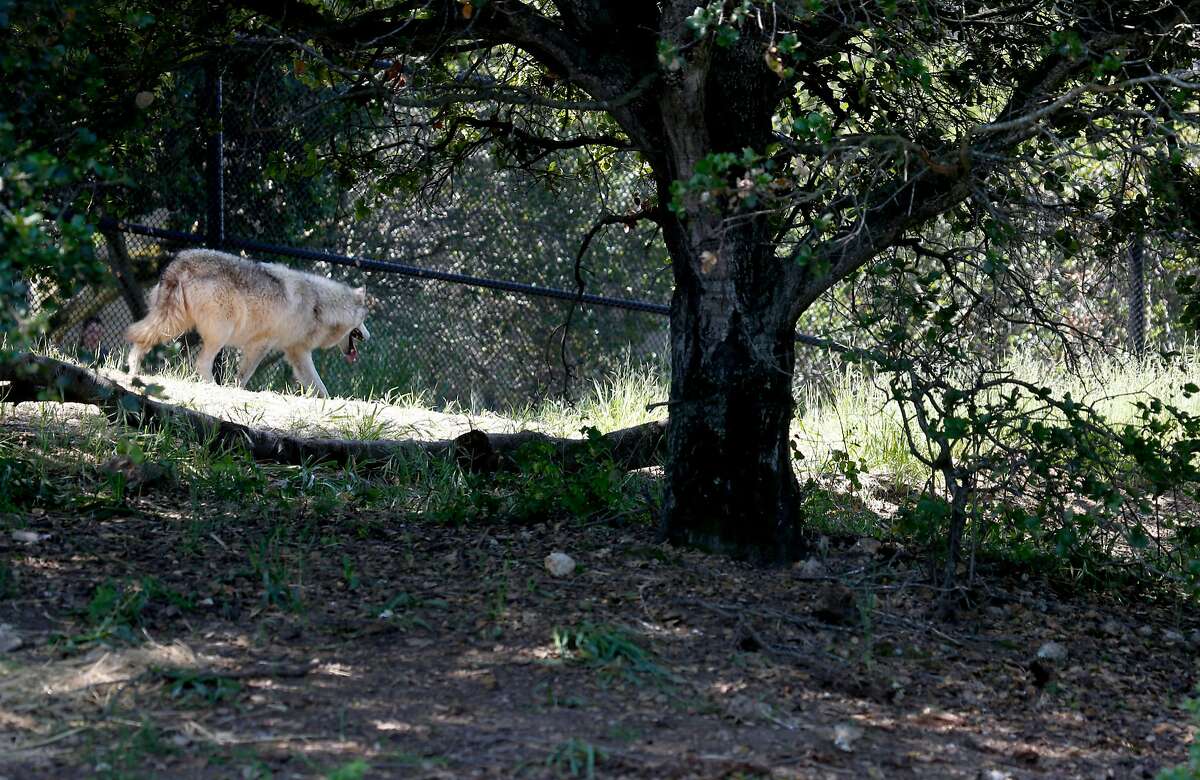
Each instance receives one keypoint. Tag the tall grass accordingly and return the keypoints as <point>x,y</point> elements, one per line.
<point>854,414</point>
<point>631,395</point>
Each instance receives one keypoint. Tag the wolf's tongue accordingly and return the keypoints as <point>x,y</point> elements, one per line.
<point>352,356</point>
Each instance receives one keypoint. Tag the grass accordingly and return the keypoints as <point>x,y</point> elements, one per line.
<point>856,417</point>
<point>845,423</point>
<point>608,649</point>
<point>843,433</point>
<point>620,400</point>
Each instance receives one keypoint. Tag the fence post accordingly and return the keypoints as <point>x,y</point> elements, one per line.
<point>214,234</point>
<point>214,228</point>
<point>1137,296</point>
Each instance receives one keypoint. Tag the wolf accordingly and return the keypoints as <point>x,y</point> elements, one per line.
<point>259,307</point>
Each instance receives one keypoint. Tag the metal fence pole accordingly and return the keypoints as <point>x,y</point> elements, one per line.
<point>214,233</point>
<point>1137,296</point>
<point>215,228</point>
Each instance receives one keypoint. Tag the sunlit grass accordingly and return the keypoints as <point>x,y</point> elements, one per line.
<point>850,413</point>
<point>631,395</point>
<point>854,414</point>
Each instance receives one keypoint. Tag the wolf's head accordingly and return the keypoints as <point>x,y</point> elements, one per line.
<point>358,333</point>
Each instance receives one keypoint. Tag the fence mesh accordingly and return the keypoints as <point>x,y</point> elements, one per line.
<point>450,341</point>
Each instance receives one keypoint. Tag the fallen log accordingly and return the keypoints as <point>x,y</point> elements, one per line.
<point>38,378</point>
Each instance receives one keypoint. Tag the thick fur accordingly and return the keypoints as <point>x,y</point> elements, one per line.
<point>258,307</point>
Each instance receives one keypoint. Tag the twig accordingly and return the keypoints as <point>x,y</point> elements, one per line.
<point>49,740</point>
<point>651,212</point>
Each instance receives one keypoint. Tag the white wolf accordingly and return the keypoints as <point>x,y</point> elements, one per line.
<point>258,307</point>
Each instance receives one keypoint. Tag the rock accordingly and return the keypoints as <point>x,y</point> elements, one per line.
<point>845,735</point>
<point>812,568</point>
<point>1112,628</point>
<point>136,474</point>
<point>1146,631</point>
<point>1194,637</point>
<point>10,640</point>
<point>1171,636</point>
<point>1044,667</point>
<point>867,546</point>
<point>1043,672</point>
<point>994,774</point>
<point>1052,652</point>
<point>836,604</point>
<point>560,564</point>
<point>28,537</point>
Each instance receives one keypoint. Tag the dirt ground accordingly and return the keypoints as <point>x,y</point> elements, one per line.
<point>351,641</point>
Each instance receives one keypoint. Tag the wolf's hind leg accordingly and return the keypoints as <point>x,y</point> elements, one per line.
<point>204,361</point>
<point>305,372</point>
<point>252,355</point>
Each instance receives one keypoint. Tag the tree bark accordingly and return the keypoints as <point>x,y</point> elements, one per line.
<point>730,483</point>
<point>122,268</point>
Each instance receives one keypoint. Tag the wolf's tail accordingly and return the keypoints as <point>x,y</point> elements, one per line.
<point>168,316</point>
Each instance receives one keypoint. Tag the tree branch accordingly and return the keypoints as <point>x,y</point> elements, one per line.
<point>509,128</point>
<point>35,378</point>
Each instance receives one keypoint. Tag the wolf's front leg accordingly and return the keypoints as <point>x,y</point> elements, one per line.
<point>136,353</point>
<point>305,372</point>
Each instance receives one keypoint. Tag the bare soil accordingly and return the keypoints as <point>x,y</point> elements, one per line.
<point>427,650</point>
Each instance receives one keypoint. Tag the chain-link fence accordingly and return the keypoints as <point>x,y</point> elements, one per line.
<point>473,289</point>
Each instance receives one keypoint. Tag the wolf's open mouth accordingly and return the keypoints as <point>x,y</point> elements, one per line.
<point>352,352</point>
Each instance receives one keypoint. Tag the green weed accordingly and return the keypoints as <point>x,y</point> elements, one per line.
<point>354,770</point>
<point>609,649</point>
<point>1190,769</point>
<point>124,755</point>
<point>117,609</point>
<point>189,686</point>
<point>270,568</point>
<point>576,758</point>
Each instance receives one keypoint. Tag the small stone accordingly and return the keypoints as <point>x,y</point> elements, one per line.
<point>1146,631</point>
<point>136,474</point>
<point>1053,652</point>
<point>845,735</point>
<point>143,99</point>
<point>10,640</point>
<point>559,564</point>
<point>28,537</point>
<point>812,568</point>
<point>867,546</point>
<point>1194,637</point>
<point>1112,628</point>
<point>836,604</point>
<point>1172,637</point>
<point>994,774</point>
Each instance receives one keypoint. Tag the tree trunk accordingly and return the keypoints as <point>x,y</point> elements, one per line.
<point>122,268</point>
<point>730,483</point>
